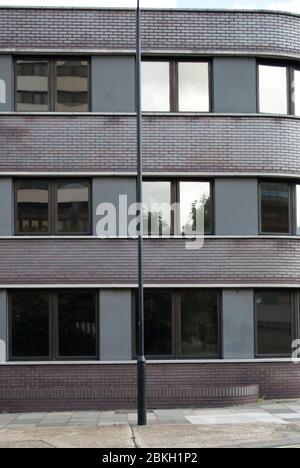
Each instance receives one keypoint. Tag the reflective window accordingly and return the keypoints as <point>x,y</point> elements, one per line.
<point>71,86</point>
<point>77,324</point>
<point>29,320</point>
<point>70,315</point>
<point>296,92</point>
<point>275,208</point>
<point>273,90</point>
<point>158,323</point>
<point>181,323</point>
<point>157,198</point>
<point>199,324</point>
<point>32,199</point>
<point>73,207</point>
<point>52,85</point>
<point>52,206</point>
<point>298,209</point>
<point>274,323</point>
<point>193,79</point>
<point>156,86</point>
<point>32,86</point>
<point>195,208</point>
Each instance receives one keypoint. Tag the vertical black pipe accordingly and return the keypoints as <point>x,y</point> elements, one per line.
<point>141,364</point>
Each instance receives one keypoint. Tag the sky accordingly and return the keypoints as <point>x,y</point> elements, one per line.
<point>285,5</point>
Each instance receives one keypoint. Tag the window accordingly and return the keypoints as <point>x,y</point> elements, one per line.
<point>52,206</point>
<point>182,324</point>
<point>275,208</point>
<point>194,215</point>
<point>274,323</point>
<point>273,89</point>
<point>157,220</point>
<point>176,86</point>
<point>52,85</point>
<point>298,209</point>
<point>30,328</point>
<point>199,324</point>
<point>193,80</point>
<point>53,325</point>
<point>296,92</point>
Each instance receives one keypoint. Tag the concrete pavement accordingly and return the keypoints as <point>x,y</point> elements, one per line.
<point>265,424</point>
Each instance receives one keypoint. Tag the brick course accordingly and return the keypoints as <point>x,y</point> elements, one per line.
<point>207,144</point>
<point>196,31</point>
<point>94,261</point>
<point>104,387</point>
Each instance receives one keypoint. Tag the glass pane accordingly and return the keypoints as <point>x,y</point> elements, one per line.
<point>193,87</point>
<point>298,208</point>
<point>77,324</point>
<point>72,86</point>
<point>273,90</point>
<point>156,86</point>
<point>73,207</point>
<point>30,324</point>
<point>274,323</point>
<point>32,85</point>
<point>199,324</point>
<point>157,198</point>
<point>275,208</point>
<point>32,206</point>
<point>296,92</point>
<point>195,208</point>
<point>158,323</point>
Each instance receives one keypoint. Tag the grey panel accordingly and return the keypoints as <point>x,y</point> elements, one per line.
<point>6,207</point>
<point>6,83</point>
<point>238,324</point>
<point>113,84</point>
<point>236,207</point>
<point>115,325</point>
<point>108,190</point>
<point>3,326</point>
<point>234,84</point>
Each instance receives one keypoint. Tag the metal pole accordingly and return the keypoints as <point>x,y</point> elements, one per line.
<point>141,363</point>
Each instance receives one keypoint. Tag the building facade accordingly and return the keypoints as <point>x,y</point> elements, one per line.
<point>221,131</point>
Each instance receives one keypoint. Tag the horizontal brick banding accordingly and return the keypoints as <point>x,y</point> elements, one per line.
<point>207,144</point>
<point>96,261</point>
<point>200,31</point>
<point>102,387</point>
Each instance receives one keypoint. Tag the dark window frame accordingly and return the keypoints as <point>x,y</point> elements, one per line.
<point>292,207</point>
<point>53,327</point>
<point>52,81</point>
<point>295,321</point>
<point>174,82</point>
<point>53,207</point>
<point>176,326</point>
<point>175,198</point>
<point>291,67</point>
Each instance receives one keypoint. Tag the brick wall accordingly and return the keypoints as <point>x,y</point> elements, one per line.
<point>179,143</point>
<point>94,261</point>
<point>103,387</point>
<point>169,30</point>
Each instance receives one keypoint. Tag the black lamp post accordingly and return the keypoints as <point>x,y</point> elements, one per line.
<point>141,363</point>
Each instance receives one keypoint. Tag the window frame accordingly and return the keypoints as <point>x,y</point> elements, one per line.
<point>295,321</point>
<point>52,81</point>
<point>292,207</point>
<point>174,82</point>
<point>175,197</point>
<point>291,67</point>
<point>53,327</point>
<point>176,326</point>
<point>53,207</point>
